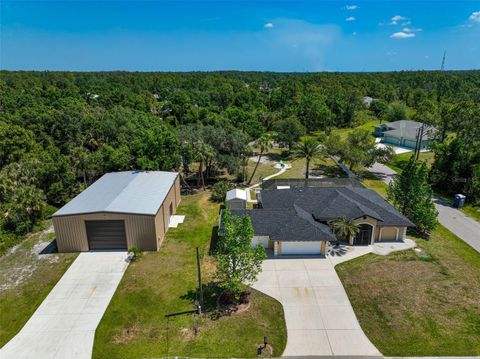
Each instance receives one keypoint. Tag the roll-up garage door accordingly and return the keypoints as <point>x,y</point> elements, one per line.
<point>106,235</point>
<point>299,248</point>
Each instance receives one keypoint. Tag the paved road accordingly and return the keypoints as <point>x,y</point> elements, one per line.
<point>454,220</point>
<point>64,324</point>
<point>318,314</point>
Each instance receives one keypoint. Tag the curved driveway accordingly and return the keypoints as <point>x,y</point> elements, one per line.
<point>319,317</point>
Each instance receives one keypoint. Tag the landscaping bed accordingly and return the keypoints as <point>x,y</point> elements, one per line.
<point>151,313</point>
<point>419,303</point>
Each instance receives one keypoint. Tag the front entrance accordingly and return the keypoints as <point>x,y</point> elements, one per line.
<point>364,235</point>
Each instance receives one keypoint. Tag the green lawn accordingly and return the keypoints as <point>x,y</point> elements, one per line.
<point>149,313</point>
<point>318,167</point>
<point>398,162</point>
<point>343,132</point>
<point>263,170</point>
<point>413,306</point>
<point>26,278</point>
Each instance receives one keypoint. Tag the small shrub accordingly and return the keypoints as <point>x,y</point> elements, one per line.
<point>136,253</point>
<point>220,189</point>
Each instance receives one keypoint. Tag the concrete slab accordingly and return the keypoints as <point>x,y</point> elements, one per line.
<point>64,324</point>
<point>350,342</point>
<point>304,317</point>
<point>307,341</point>
<point>339,317</point>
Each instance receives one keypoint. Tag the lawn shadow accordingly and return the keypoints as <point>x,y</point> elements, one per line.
<point>211,293</point>
<point>327,171</point>
<point>213,240</point>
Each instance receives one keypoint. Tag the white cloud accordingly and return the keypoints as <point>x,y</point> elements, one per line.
<point>351,7</point>
<point>402,35</point>
<point>475,17</point>
<point>396,19</point>
<point>408,29</point>
<point>350,18</point>
<point>268,25</point>
<point>406,23</point>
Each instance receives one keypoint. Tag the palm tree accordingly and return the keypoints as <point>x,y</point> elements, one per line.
<point>203,154</point>
<point>309,149</point>
<point>345,228</point>
<point>265,143</point>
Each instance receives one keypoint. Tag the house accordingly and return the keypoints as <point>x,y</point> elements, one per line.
<point>119,211</point>
<point>404,133</point>
<point>298,220</point>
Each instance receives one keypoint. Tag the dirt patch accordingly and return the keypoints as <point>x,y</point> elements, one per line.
<point>126,335</point>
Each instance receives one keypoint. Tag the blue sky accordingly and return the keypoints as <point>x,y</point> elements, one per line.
<point>239,35</point>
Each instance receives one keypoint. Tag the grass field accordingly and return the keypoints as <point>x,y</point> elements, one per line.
<point>26,278</point>
<point>343,132</point>
<point>398,162</point>
<point>412,305</point>
<point>149,315</point>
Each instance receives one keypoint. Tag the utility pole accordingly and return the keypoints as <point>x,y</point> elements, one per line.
<point>419,142</point>
<point>442,68</point>
<point>200,289</point>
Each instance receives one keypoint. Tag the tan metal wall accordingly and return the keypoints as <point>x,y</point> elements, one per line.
<point>143,231</point>
<point>72,235</point>
<point>161,218</point>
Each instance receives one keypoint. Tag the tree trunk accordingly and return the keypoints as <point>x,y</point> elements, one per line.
<point>308,169</point>
<point>255,169</point>
<point>200,175</point>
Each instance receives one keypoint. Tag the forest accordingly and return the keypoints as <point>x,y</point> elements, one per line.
<point>60,131</point>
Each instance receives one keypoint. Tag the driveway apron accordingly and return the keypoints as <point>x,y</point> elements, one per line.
<point>64,324</point>
<point>319,317</point>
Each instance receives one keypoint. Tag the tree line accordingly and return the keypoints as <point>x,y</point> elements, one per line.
<point>60,131</point>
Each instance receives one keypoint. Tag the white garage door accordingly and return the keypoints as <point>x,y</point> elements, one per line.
<point>300,248</point>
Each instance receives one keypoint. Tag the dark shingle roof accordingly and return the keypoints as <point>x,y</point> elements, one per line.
<point>331,203</point>
<point>285,225</point>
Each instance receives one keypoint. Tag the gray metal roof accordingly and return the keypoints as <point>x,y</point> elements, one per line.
<point>136,192</point>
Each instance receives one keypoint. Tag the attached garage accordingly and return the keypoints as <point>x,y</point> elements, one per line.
<point>119,211</point>
<point>300,248</point>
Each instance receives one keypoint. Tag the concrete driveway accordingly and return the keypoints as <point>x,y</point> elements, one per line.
<point>319,317</point>
<point>64,324</point>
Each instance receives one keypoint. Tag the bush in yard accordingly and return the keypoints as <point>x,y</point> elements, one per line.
<point>412,195</point>
<point>136,253</point>
<point>220,189</point>
<point>238,263</point>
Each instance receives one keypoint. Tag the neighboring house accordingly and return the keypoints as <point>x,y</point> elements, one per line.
<point>119,211</point>
<point>299,220</point>
<point>367,101</point>
<point>404,134</point>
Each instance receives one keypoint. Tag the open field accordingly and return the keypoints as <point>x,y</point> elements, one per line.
<point>419,305</point>
<point>27,274</point>
<point>150,314</point>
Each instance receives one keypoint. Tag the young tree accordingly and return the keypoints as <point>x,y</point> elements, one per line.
<point>309,149</point>
<point>264,143</point>
<point>238,263</point>
<point>345,228</point>
<point>412,195</point>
